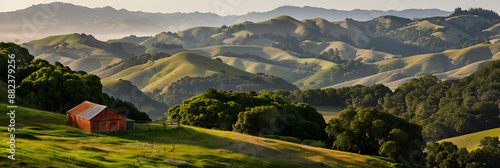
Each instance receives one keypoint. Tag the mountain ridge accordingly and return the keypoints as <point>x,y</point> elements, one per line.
<point>61,19</point>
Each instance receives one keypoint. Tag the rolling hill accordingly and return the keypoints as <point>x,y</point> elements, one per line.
<point>450,64</point>
<point>163,72</point>
<point>471,141</point>
<point>255,66</point>
<point>157,77</point>
<point>275,61</point>
<point>348,52</point>
<point>294,50</point>
<point>85,52</point>
<point>90,64</point>
<point>48,141</point>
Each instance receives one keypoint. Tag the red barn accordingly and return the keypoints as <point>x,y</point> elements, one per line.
<point>92,117</point>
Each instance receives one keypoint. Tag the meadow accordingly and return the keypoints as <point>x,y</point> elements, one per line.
<point>44,140</point>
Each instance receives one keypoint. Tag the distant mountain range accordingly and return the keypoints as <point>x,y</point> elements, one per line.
<point>279,53</point>
<point>43,20</point>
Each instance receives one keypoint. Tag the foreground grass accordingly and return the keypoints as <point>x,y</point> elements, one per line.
<point>44,140</point>
<point>472,141</point>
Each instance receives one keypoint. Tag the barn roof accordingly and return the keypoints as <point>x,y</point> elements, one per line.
<point>86,110</point>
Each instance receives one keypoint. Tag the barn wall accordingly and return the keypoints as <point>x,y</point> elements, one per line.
<point>108,120</point>
<point>78,122</point>
<point>69,119</point>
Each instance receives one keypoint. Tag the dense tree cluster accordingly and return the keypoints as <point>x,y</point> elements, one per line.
<point>285,43</point>
<point>393,46</point>
<point>489,14</point>
<point>116,48</point>
<point>89,40</point>
<point>344,72</point>
<point>190,86</point>
<point>332,56</point>
<point>448,155</point>
<point>450,107</point>
<point>167,46</point>
<point>138,60</point>
<point>351,97</point>
<point>372,132</point>
<point>250,113</point>
<point>58,88</point>
<point>22,58</point>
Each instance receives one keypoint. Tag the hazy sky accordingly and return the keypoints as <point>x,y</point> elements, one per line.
<point>238,7</point>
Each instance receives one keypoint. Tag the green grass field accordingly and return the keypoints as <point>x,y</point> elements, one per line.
<point>44,140</point>
<point>471,141</point>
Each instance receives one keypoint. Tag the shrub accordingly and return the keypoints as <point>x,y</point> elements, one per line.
<point>314,143</point>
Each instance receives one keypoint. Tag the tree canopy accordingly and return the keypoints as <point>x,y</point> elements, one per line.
<point>369,131</point>
<point>250,113</point>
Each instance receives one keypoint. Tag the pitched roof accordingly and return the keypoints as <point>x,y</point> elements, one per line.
<point>86,110</point>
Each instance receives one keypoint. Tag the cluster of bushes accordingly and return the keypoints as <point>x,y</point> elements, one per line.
<point>167,46</point>
<point>448,155</point>
<point>249,113</point>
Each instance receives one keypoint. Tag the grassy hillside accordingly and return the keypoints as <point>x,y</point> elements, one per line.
<point>471,141</point>
<point>450,64</point>
<point>84,52</point>
<point>255,66</point>
<point>264,52</point>
<point>90,64</point>
<point>158,75</point>
<point>43,140</point>
<point>348,52</point>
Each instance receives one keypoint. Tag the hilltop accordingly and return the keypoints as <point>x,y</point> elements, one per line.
<point>45,138</point>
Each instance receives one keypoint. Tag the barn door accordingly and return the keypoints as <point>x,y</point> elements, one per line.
<point>105,126</point>
<point>113,126</point>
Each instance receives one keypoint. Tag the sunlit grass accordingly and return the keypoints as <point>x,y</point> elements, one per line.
<point>44,140</point>
<point>472,141</point>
